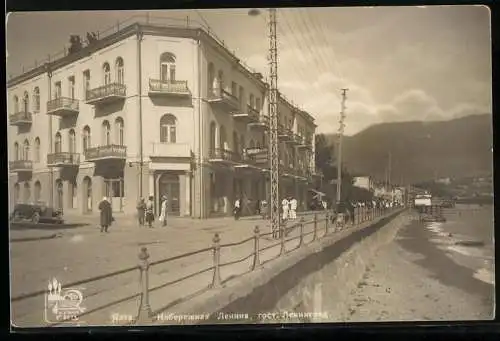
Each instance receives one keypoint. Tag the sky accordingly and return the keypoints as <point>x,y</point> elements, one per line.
<point>399,63</point>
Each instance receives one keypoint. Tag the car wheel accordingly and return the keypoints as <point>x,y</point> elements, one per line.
<point>35,218</point>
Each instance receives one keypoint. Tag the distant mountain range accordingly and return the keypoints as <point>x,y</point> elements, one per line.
<point>422,151</point>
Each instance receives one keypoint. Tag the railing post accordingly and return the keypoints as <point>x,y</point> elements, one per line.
<point>315,226</point>
<point>282,237</point>
<point>256,259</point>
<point>326,224</point>
<point>145,313</point>
<point>301,240</point>
<point>216,248</point>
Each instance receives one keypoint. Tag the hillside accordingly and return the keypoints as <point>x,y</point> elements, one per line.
<point>422,150</point>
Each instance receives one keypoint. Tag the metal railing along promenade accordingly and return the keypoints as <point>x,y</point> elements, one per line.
<point>211,267</point>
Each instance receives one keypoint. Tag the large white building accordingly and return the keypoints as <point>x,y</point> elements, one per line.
<point>150,110</point>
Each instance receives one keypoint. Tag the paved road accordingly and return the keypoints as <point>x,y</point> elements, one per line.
<point>425,275</point>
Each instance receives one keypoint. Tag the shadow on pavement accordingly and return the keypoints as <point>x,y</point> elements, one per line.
<point>31,226</point>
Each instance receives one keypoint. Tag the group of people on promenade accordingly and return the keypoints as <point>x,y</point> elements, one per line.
<point>145,212</point>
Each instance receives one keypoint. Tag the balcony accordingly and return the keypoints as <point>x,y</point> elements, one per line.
<point>21,118</point>
<point>261,124</point>
<point>284,134</point>
<point>108,152</point>
<point>63,159</point>
<point>63,107</point>
<point>159,87</point>
<point>304,143</point>
<point>106,94</point>
<point>175,150</point>
<point>250,115</point>
<point>21,166</point>
<point>223,156</point>
<point>224,100</point>
<point>259,156</point>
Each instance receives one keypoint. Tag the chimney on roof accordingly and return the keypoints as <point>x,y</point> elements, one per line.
<point>258,75</point>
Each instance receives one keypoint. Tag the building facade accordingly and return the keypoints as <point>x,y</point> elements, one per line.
<point>155,111</point>
<point>365,182</point>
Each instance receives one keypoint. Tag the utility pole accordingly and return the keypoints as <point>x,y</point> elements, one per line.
<point>341,134</point>
<point>273,121</point>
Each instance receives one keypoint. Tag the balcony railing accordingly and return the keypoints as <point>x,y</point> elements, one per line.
<point>63,106</point>
<point>62,159</point>
<point>170,150</point>
<point>250,115</point>
<point>168,87</point>
<point>262,123</point>
<point>106,93</point>
<point>21,118</point>
<point>284,133</point>
<point>21,166</point>
<point>111,151</point>
<point>224,99</point>
<point>223,155</point>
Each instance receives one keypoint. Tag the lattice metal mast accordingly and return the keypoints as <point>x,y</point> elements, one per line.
<point>339,152</point>
<point>273,120</point>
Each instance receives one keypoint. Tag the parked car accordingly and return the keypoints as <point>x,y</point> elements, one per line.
<point>36,213</point>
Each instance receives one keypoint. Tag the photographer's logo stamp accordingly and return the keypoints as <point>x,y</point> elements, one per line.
<point>63,305</point>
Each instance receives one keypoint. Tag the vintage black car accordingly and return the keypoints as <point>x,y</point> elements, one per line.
<point>36,213</point>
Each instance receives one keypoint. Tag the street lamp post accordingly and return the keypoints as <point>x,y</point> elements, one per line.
<point>273,118</point>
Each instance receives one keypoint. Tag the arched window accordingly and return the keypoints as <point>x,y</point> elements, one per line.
<point>211,77</point>
<point>213,137</point>
<point>107,73</point>
<point>26,150</point>
<point>221,79</point>
<point>37,149</point>
<point>223,138</point>
<point>252,101</point>
<point>167,128</point>
<point>58,143</point>
<point>72,141</point>
<point>106,133</point>
<point>16,104</point>
<point>16,151</point>
<point>167,67</point>
<point>36,99</point>
<point>120,71</point>
<point>26,102</point>
<point>27,192</point>
<point>120,134</point>
<point>37,191</point>
<point>86,138</point>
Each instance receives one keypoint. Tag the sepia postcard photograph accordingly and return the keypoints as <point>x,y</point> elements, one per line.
<point>250,166</point>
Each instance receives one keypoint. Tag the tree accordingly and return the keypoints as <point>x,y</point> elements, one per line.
<point>75,44</point>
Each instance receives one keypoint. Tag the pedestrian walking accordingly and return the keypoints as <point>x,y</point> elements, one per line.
<point>293,208</point>
<point>150,217</point>
<point>141,211</point>
<point>285,205</point>
<point>163,211</point>
<point>106,214</point>
<point>237,209</point>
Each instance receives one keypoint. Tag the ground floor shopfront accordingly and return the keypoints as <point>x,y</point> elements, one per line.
<point>79,190</point>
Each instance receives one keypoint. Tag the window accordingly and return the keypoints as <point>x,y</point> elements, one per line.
<point>57,90</point>
<point>252,101</point>
<point>236,145</point>
<point>16,104</point>
<point>36,99</point>
<point>86,81</point>
<point>71,87</point>
<point>211,77</point>
<point>72,141</point>
<point>58,143</point>
<point>27,192</point>
<point>167,67</point>
<point>38,191</point>
<point>234,89</point>
<point>26,102</point>
<point>106,133</point>
<point>257,104</point>
<point>213,137</point>
<point>16,151</point>
<point>17,191</point>
<point>167,129</point>
<point>86,138</point>
<point>37,149</point>
<point>120,72</point>
<point>107,73</point>
<point>26,150</point>
<point>119,128</point>
<point>221,79</point>
<point>241,96</point>
<point>72,192</point>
